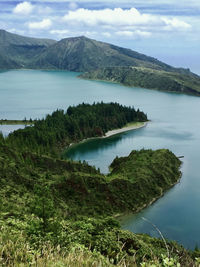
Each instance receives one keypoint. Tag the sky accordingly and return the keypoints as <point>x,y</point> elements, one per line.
<point>168,30</point>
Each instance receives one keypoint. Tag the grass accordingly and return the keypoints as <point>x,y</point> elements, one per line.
<point>16,122</point>
<point>136,124</point>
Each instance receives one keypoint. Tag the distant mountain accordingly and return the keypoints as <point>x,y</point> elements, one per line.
<point>17,51</point>
<point>75,54</point>
<point>101,60</point>
<point>84,54</point>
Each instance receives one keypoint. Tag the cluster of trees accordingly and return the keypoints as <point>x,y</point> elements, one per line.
<point>83,121</point>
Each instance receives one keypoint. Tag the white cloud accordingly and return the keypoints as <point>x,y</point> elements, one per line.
<point>59,32</point>
<point>116,17</point>
<point>133,34</point>
<point>119,17</point>
<point>40,25</point>
<point>172,24</point>
<point>24,8</point>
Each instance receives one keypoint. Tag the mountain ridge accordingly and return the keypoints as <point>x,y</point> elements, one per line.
<point>73,53</point>
<point>95,59</point>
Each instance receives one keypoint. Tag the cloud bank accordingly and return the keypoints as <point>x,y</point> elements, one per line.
<point>24,8</point>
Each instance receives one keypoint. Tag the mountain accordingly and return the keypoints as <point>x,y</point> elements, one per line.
<point>103,61</point>
<point>148,78</point>
<point>74,54</point>
<point>17,51</point>
<point>84,54</point>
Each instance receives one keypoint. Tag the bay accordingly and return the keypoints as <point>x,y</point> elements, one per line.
<point>174,124</point>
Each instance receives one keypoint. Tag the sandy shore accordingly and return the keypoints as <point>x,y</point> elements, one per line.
<point>113,132</point>
<point>124,129</point>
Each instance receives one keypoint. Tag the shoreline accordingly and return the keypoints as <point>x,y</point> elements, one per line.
<point>125,129</point>
<point>120,216</point>
<point>113,132</point>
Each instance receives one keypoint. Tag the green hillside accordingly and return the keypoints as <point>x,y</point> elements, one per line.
<point>103,61</point>
<point>18,51</point>
<point>84,54</point>
<point>75,54</point>
<point>56,212</point>
<point>148,78</point>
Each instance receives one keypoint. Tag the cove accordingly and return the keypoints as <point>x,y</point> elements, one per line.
<point>174,124</point>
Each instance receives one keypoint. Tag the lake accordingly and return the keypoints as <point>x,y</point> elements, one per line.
<point>174,124</point>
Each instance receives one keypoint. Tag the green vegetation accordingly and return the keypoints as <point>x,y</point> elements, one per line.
<point>84,54</point>
<point>18,51</point>
<point>56,212</point>
<point>17,122</point>
<point>53,210</point>
<point>103,61</point>
<point>148,78</point>
<point>74,54</point>
<point>60,129</point>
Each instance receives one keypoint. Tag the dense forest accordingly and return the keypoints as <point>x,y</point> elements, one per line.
<point>61,128</point>
<point>56,212</point>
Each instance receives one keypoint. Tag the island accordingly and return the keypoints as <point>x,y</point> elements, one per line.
<point>64,212</point>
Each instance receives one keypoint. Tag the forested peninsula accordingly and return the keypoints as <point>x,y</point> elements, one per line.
<point>56,212</point>
<point>58,130</point>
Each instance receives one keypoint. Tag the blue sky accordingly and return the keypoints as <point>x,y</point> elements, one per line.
<point>168,30</point>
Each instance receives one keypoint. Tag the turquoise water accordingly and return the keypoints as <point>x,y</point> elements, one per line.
<point>174,124</point>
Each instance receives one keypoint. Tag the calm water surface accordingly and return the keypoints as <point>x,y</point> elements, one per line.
<point>175,124</point>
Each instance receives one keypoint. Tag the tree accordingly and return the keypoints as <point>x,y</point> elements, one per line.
<point>42,206</point>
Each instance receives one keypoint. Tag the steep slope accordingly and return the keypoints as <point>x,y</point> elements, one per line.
<point>17,51</point>
<point>75,54</point>
<point>84,54</point>
<point>148,78</point>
